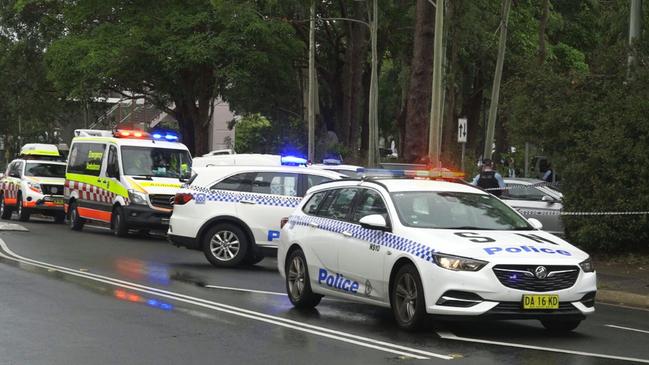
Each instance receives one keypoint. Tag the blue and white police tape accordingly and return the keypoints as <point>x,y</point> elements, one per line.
<point>560,212</point>
<point>522,187</point>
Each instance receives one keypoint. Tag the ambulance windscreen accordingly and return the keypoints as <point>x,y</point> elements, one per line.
<point>155,162</point>
<point>44,170</point>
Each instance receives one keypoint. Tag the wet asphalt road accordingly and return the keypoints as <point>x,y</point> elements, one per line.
<point>87,297</point>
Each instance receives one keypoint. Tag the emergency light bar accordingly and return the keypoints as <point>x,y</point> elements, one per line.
<point>422,174</point>
<point>165,136</point>
<point>293,161</point>
<point>130,133</point>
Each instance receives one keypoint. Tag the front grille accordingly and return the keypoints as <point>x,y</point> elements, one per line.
<point>522,277</point>
<point>52,189</point>
<point>161,200</point>
<point>517,308</point>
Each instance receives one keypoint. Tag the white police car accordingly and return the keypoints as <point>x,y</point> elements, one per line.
<point>233,213</point>
<point>431,247</point>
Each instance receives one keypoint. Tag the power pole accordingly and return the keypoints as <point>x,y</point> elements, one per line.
<point>311,93</point>
<point>373,122</point>
<point>435,125</point>
<point>495,90</point>
<point>635,19</point>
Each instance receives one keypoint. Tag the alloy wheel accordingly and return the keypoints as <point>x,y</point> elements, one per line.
<point>296,277</point>
<point>406,294</point>
<point>224,245</point>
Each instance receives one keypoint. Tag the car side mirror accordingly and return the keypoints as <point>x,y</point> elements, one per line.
<point>547,199</point>
<point>535,223</point>
<point>375,222</point>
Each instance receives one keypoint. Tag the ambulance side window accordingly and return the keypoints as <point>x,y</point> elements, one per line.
<point>86,158</point>
<point>112,169</point>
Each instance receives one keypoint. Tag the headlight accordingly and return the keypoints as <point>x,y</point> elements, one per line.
<point>34,186</point>
<point>458,263</point>
<point>136,197</point>
<point>587,265</point>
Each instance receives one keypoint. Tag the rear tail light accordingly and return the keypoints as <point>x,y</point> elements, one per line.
<point>182,198</point>
<point>283,222</point>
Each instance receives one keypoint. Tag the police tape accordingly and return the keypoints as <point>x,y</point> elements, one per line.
<point>522,187</point>
<point>559,212</point>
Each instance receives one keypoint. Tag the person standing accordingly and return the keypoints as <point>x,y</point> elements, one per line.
<point>489,179</point>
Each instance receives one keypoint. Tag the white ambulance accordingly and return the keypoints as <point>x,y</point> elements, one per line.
<point>126,178</point>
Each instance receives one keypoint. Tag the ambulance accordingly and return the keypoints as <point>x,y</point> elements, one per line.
<point>33,183</point>
<point>124,178</point>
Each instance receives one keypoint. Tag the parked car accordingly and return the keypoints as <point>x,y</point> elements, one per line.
<point>533,200</point>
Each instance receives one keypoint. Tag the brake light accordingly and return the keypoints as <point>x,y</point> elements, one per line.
<point>283,222</point>
<point>182,198</point>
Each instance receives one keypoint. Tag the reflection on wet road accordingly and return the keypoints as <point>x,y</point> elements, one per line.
<point>149,273</point>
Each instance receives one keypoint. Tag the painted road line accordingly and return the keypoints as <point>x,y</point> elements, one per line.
<point>245,290</point>
<point>626,328</point>
<point>237,311</point>
<point>4,226</point>
<point>450,336</point>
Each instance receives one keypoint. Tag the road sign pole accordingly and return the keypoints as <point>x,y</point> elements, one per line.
<point>462,163</point>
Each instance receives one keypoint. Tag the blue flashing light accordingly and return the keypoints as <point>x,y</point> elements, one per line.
<point>164,135</point>
<point>293,161</point>
<point>157,135</point>
<point>171,137</point>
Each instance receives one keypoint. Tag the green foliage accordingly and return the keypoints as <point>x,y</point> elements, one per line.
<point>255,133</point>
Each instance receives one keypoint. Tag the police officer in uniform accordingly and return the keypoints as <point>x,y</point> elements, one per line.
<point>489,178</point>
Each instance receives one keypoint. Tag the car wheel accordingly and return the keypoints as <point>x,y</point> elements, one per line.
<point>118,223</point>
<point>225,245</point>
<point>76,222</point>
<point>559,326</point>
<point>298,285</point>
<point>407,299</point>
<point>59,218</point>
<point>23,213</point>
<point>5,211</point>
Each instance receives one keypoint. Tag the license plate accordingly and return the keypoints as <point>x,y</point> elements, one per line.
<point>58,201</point>
<point>536,301</point>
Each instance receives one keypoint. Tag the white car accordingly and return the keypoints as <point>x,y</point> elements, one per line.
<point>351,171</point>
<point>233,213</point>
<point>426,247</point>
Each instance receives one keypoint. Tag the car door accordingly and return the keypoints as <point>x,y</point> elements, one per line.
<point>273,196</point>
<point>86,180</point>
<point>529,201</point>
<point>327,237</point>
<point>361,257</point>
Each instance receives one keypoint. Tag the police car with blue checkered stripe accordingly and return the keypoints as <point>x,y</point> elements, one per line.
<point>233,213</point>
<point>431,248</point>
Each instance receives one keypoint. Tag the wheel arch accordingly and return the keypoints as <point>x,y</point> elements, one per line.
<point>226,219</point>
<point>401,261</point>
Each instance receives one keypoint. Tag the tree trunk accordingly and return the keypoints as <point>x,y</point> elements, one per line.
<point>419,89</point>
<point>543,24</point>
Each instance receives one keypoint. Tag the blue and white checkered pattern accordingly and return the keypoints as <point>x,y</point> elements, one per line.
<point>385,239</point>
<point>236,196</point>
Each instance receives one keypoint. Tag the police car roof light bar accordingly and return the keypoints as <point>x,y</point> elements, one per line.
<point>293,161</point>
<point>416,174</point>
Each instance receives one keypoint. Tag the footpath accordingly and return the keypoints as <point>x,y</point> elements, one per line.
<point>623,281</point>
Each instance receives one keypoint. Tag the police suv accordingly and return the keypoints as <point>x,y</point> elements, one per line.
<point>233,213</point>
<point>431,247</point>
<point>126,178</point>
<point>33,183</point>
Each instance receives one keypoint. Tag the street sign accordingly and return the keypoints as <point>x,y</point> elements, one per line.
<point>461,130</point>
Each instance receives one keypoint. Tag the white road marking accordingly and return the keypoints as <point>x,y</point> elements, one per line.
<point>450,336</point>
<point>626,328</point>
<point>245,290</point>
<point>4,226</point>
<point>258,316</point>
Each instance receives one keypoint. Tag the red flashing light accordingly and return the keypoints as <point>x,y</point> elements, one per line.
<point>127,133</point>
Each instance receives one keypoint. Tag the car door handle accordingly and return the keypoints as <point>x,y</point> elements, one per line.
<point>251,202</point>
<point>347,234</point>
<point>314,224</point>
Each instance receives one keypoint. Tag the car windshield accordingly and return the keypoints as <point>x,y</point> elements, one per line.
<point>455,210</point>
<point>44,169</point>
<point>155,162</point>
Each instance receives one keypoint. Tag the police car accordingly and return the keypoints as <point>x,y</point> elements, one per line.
<point>33,183</point>
<point>427,247</point>
<point>233,213</point>
<point>125,178</point>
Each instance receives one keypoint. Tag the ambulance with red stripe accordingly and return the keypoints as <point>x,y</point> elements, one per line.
<point>33,183</point>
<point>124,178</point>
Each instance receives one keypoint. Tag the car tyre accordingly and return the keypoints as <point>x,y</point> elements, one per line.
<point>76,222</point>
<point>225,245</point>
<point>118,223</point>
<point>23,213</point>
<point>5,211</point>
<point>298,284</point>
<point>559,326</point>
<point>407,299</point>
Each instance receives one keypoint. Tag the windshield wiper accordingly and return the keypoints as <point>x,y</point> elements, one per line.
<point>471,227</point>
<point>143,177</point>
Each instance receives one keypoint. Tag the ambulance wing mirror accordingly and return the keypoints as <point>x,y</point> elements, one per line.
<point>375,222</point>
<point>535,223</point>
